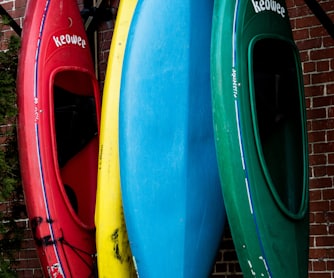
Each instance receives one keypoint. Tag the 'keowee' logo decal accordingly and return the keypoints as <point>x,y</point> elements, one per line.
<point>69,39</point>
<point>268,5</point>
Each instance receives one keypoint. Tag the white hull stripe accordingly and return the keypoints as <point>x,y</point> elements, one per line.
<point>241,145</point>
<point>38,151</point>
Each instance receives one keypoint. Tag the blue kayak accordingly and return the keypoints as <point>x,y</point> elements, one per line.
<point>171,193</point>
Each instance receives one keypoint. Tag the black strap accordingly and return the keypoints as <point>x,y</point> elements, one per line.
<point>12,23</point>
<point>321,15</point>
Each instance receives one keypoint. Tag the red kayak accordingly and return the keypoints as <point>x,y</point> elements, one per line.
<point>59,108</point>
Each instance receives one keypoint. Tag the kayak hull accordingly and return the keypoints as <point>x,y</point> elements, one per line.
<point>169,177</point>
<point>260,134</point>
<point>114,254</point>
<point>58,108</point>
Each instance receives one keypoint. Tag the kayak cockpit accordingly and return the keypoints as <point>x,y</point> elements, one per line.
<point>277,101</point>
<point>76,129</point>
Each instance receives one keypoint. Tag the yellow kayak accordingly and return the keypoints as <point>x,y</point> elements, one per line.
<point>114,254</point>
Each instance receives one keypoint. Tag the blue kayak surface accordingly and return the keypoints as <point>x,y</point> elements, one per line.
<point>171,192</point>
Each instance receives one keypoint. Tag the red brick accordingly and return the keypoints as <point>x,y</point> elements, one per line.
<point>330,170</point>
<point>319,206</point>
<point>323,170</point>
<point>28,243</point>
<point>317,253</point>
<point>28,253</point>
<point>329,215</point>
<point>8,6</point>
<point>293,24</point>
<point>307,79</point>
<point>330,87</point>
<point>30,273</point>
<point>301,34</point>
<point>25,273</point>
<point>317,113</point>
<point>328,41</point>
<point>307,21</point>
<point>328,194</point>
<point>317,136</point>
<point>315,90</point>
<point>20,4</point>
<point>309,43</point>
<point>324,241</point>
<point>320,78</point>
<point>331,158</point>
<point>17,14</point>
<point>320,54</point>
<point>310,268</point>
<point>319,275</point>
<point>323,147</point>
<point>309,67</point>
<point>221,267</point>
<point>322,182</point>
<point>319,171</point>
<point>299,3</point>
<point>322,124</point>
<point>315,195</point>
<point>307,103</point>
<point>304,55</point>
<point>328,5</point>
<point>323,217</point>
<point>330,135</point>
<point>323,66</point>
<point>299,11</point>
<point>27,263</point>
<point>318,265</point>
<point>317,159</point>
<point>318,31</point>
<point>323,101</point>
<point>330,265</point>
<point>331,112</point>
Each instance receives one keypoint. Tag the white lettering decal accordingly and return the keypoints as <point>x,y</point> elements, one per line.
<point>278,10</point>
<point>268,5</point>
<point>256,6</point>
<point>74,39</point>
<point>56,40</point>
<point>282,12</point>
<point>234,83</point>
<point>36,109</point>
<point>68,39</point>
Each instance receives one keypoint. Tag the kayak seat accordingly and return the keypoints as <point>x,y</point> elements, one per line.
<point>72,197</point>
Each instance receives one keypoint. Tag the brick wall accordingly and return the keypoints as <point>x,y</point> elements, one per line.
<point>317,53</point>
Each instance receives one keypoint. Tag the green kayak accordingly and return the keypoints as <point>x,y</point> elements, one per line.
<point>261,136</point>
